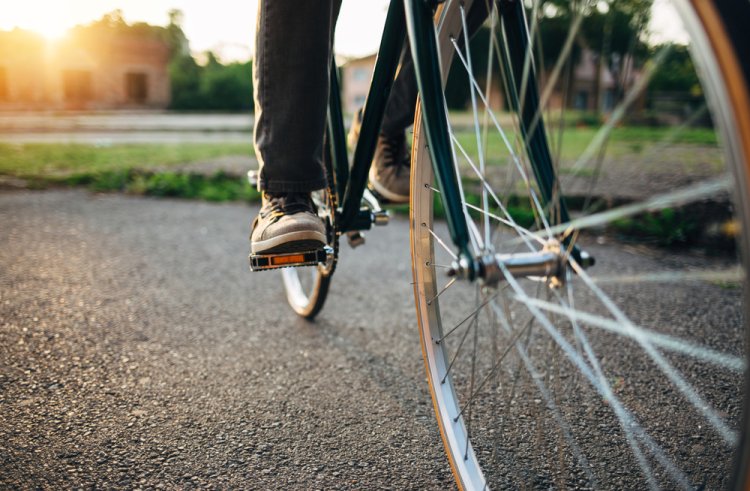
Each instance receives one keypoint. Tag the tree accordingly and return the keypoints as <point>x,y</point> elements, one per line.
<point>227,87</point>
<point>614,30</point>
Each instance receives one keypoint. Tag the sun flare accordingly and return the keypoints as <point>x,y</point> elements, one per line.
<point>50,20</point>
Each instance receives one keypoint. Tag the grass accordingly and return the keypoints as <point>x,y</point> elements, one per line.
<point>54,161</point>
<point>623,141</point>
<point>137,169</point>
<point>216,187</point>
<point>144,169</point>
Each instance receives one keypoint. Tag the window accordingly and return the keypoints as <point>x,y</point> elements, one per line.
<point>77,85</point>
<point>136,87</point>
<point>582,100</point>
<point>360,74</point>
<point>3,84</point>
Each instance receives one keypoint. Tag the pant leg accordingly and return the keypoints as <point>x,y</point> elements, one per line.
<point>402,101</point>
<point>293,46</point>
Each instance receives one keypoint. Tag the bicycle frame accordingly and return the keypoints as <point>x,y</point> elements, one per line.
<point>416,18</point>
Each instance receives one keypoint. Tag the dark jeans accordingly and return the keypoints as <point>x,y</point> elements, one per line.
<point>293,49</point>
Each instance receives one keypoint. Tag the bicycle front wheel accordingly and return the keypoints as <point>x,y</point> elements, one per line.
<point>629,374</point>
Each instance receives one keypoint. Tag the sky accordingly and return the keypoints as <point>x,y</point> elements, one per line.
<point>224,26</point>
<point>227,26</point>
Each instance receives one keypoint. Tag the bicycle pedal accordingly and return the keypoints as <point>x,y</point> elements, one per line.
<point>262,262</point>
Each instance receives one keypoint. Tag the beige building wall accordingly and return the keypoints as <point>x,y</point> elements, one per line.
<point>356,76</point>
<point>115,72</point>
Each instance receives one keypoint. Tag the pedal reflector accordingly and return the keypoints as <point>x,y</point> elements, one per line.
<point>284,260</point>
<point>259,262</point>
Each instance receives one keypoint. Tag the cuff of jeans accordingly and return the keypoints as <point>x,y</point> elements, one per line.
<point>277,186</point>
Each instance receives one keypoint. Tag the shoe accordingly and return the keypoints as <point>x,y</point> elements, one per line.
<point>391,165</point>
<point>287,222</point>
<point>391,168</point>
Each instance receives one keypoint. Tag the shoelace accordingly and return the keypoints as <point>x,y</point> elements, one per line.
<point>394,151</point>
<point>286,204</point>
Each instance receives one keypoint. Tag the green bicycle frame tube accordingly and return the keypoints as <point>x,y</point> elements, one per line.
<point>389,53</point>
<point>337,136</point>
<point>423,44</point>
<point>535,138</point>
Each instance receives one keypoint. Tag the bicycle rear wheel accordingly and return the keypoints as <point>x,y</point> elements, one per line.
<point>630,374</point>
<point>307,287</point>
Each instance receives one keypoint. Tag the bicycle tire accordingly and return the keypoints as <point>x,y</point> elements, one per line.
<point>499,453</point>
<point>307,297</point>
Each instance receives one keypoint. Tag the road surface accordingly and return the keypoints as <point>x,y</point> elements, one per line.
<point>138,351</point>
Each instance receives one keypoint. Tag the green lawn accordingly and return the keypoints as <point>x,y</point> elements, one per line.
<point>53,161</point>
<point>144,168</point>
<point>61,161</point>
<point>624,141</point>
<point>137,168</point>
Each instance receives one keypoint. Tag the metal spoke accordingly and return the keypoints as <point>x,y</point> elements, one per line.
<point>575,25</point>
<point>440,241</point>
<point>510,222</point>
<point>680,197</point>
<point>734,275</point>
<point>448,285</point>
<point>492,371</point>
<point>620,111</point>
<point>475,112</point>
<point>458,349</point>
<point>726,433</point>
<point>662,340</point>
<point>521,231</point>
<point>628,423</point>
<point>581,337</point>
<point>473,312</point>
<point>473,375</point>
<point>514,155</point>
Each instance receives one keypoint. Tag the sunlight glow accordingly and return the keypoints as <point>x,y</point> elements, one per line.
<point>227,27</point>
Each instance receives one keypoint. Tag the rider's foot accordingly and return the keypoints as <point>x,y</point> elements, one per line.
<point>391,164</point>
<point>390,169</point>
<point>287,222</point>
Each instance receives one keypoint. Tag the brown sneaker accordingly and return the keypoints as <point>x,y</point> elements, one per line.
<point>391,167</point>
<point>287,222</point>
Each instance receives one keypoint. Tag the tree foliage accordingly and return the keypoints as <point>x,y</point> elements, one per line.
<point>614,30</point>
<point>676,73</point>
<point>214,86</point>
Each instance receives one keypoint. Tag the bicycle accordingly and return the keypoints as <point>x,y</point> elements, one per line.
<point>528,386</point>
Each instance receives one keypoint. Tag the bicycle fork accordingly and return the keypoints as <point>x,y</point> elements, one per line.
<point>487,266</point>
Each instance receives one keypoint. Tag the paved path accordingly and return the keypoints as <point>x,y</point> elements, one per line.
<point>109,128</point>
<point>137,350</point>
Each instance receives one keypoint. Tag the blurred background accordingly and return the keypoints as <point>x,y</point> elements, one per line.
<point>157,97</point>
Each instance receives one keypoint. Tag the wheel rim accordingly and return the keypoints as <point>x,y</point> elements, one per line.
<point>307,287</point>
<point>493,427</point>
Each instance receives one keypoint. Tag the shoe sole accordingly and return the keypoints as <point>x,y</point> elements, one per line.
<point>384,192</point>
<point>301,241</point>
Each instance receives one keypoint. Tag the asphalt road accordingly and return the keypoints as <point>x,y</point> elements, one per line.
<point>136,350</point>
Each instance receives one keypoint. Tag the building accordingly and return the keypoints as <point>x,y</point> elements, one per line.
<point>96,69</point>
<point>581,95</point>
<point>355,82</point>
